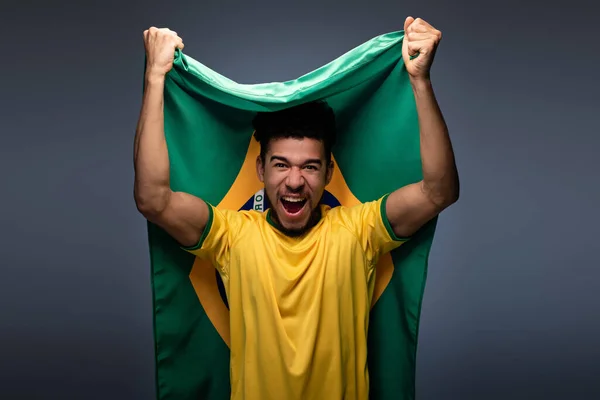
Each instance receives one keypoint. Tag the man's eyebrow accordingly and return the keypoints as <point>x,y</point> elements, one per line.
<point>313,161</point>
<point>279,158</point>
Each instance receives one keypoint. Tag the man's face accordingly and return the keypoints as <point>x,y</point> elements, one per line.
<point>295,174</point>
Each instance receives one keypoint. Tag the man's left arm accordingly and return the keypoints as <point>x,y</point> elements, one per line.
<point>411,206</point>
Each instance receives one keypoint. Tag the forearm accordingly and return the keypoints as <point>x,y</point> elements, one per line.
<point>440,176</point>
<point>151,157</point>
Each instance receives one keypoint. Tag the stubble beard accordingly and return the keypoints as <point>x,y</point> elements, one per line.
<point>312,220</point>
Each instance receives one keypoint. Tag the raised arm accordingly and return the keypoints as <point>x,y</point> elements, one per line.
<point>411,206</point>
<point>181,215</point>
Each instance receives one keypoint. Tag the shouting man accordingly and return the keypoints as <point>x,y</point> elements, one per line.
<point>299,276</point>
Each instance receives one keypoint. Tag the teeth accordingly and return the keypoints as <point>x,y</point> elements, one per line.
<point>293,199</point>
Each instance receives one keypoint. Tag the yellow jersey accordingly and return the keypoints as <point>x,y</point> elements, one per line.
<point>299,306</point>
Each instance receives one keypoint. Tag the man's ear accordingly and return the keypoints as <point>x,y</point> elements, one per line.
<point>329,172</point>
<point>260,169</point>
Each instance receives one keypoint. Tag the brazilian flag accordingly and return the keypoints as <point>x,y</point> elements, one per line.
<point>212,155</point>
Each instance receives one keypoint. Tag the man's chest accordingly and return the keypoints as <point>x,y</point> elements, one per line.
<point>268,265</point>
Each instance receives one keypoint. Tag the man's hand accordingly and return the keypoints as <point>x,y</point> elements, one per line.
<point>160,47</point>
<point>420,40</point>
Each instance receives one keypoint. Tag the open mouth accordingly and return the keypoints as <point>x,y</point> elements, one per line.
<point>293,205</point>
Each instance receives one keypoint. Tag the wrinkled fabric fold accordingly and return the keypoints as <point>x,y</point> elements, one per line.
<point>341,74</point>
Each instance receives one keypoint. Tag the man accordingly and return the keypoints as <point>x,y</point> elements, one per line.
<point>299,277</point>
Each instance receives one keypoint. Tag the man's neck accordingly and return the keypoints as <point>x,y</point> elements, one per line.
<point>314,220</point>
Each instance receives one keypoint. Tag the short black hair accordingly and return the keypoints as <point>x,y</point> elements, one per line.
<point>315,120</point>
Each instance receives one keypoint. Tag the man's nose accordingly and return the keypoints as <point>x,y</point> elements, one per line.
<point>295,180</point>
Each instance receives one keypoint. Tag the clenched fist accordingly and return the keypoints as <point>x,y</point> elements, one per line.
<point>160,47</point>
<point>419,46</point>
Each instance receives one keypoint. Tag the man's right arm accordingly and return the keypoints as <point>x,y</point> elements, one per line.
<point>181,215</point>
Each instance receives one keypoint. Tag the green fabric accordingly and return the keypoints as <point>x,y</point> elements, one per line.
<point>208,130</point>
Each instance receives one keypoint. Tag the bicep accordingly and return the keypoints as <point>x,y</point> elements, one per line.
<point>184,218</point>
<point>409,208</point>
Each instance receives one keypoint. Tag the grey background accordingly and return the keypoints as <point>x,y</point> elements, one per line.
<point>511,308</point>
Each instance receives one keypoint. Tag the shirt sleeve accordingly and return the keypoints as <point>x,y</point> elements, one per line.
<point>369,222</point>
<point>216,240</point>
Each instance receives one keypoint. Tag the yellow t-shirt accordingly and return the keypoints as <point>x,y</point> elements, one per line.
<point>299,307</point>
